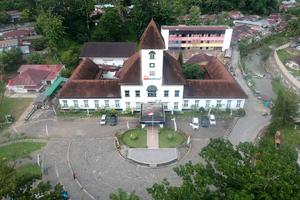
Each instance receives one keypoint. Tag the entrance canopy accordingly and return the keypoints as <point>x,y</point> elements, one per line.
<point>152,113</point>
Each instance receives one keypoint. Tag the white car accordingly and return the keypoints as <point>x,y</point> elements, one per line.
<point>103,120</point>
<point>298,47</point>
<point>195,123</point>
<point>212,120</point>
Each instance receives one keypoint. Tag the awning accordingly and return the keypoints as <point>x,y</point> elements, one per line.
<point>58,81</point>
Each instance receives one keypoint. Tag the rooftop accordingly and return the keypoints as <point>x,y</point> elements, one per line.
<point>108,49</point>
<point>151,38</point>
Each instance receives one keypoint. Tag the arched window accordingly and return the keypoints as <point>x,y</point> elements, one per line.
<point>152,54</point>
<point>151,91</point>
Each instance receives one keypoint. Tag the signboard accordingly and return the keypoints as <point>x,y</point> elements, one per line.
<point>146,77</point>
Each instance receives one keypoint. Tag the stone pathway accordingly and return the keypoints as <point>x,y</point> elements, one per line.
<point>152,137</point>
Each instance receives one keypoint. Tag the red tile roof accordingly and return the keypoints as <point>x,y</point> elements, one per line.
<point>17,33</point>
<point>151,38</point>
<point>30,77</point>
<point>91,89</point>
<point>56,68</point>
<point>200,58</point>
<point>131,72</point>
<point>86,70</point>
<point>220,84</point>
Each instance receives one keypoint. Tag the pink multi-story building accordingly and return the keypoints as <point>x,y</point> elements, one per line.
<point>184,37</point>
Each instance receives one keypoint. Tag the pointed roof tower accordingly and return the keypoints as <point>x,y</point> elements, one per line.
<point>151,38</point>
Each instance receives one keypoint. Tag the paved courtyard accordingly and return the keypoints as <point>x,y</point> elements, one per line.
<point>84,149</point>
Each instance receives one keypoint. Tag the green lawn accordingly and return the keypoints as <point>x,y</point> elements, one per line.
<point>166,142</point>
<point>291,136</point>
<point>19,150</point>
<point>30,170</point>
<point>277,86</point>
<point>283,55</point>
<point>139,142</point>
<point>13,106</point>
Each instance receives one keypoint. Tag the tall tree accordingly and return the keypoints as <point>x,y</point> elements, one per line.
<point>110,28</point>
<point>52,28</point>
<point>11,60</point>
<point>285,109</point>
<point>122,195</point>
<point>242,172</point>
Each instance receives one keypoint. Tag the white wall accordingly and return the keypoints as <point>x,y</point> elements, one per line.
<point>213,103</point>
<point>227,39</point>
<point>165,35</point>
<point>109,61</point>
<point>91,103</point>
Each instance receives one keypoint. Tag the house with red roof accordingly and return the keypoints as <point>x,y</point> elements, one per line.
<point>151,75</point>
<point>33,78</point>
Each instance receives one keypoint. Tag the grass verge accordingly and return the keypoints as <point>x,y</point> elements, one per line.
<point>13,106</point>
<point>19,150</point>
<point>169,138</point>
<point>134,138</point>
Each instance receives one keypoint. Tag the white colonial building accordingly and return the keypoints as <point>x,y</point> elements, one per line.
<point>151,75</point>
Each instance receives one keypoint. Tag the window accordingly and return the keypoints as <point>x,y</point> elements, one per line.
<point>152,54</point>
<point>175,105</point>
<point>166,93</point>
<point>96,102</point>
<point>106,103</point>
<point>196,103</point>
<point>151,91</point>
<point>152,73</point>
<point>186,103</point>
<point>75,102</point>
<point>207,103</point>
<point>117,103</point>
<point>165,105</point>
<point>228,105</point>
<point>138,105</point>
<point>176,93</point>
<point>219,103</point>
<point>126,93</point>
<point>127,104</point>
<point>137,93</point>
<point>86,103</point>
<point>238,103</point>
<point>151,65</point>
<point>65,103</point>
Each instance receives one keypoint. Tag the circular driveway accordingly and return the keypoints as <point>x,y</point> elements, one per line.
<point>83,147</point>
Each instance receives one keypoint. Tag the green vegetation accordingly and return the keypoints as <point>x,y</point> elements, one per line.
<point>13,106</point>
<point>122,195</point>
<point>283,55</point>
<point>19,150</point>
<point>284,111</point>
<point>193,71</point>
<point>169,138</point>
<point>277,86</point>
<point>290,136</point>
<point>134,138</point>
<point>236,172</point>
<point>29,170</point>
<point>10,60</point>
<point>36,58</point>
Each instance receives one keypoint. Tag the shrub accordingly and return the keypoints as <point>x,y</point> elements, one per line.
<point>201,109</point>
<point>39,44</point>
<point>241,112</point>
<point>171,136</point>
<point>133,136</point>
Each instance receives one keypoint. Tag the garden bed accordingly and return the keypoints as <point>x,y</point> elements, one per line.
<point>134,138</point>
<point>168,138</point>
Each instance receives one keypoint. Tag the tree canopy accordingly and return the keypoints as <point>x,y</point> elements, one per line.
<point>242,172</point>
<point>193,71</point>
<point>10,60</point>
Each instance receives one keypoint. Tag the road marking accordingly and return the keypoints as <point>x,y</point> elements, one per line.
<point>47,133</point>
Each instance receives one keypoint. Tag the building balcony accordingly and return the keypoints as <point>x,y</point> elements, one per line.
<point>193,45</point>
<point>195,38</point>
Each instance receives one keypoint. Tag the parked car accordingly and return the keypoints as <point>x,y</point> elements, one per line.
<point>195,123</point>
<point>298,47</point>
<point>212,120</point>
<point>113,120</point>
<point>204,121</point>
<point>103,120</point>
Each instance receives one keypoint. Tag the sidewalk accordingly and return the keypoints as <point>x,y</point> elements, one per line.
<point>152,137</point>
